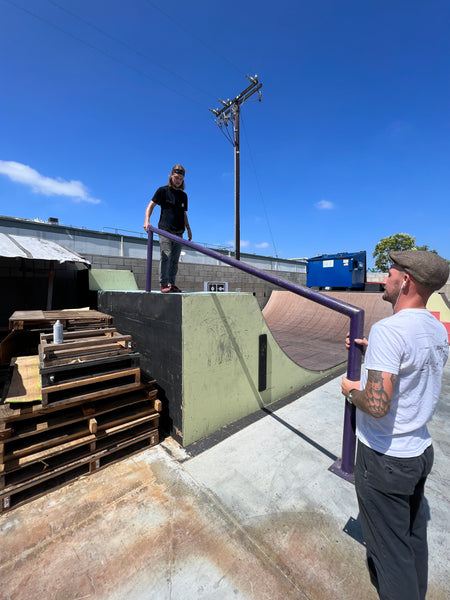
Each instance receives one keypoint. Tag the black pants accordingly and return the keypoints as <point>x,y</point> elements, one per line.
<point>393,514</point>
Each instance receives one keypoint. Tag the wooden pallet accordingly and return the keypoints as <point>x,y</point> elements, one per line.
<point>82,346</point>
<point>15,421</point>
<point>21,461</point>
<point>55,374</point>
<point>71,319</point>
<point>72,409</point>
<point>91,388</point>
<point>18,494</point>
<point>11,412</point>
<point>81,382</point>
<point>29,440</point>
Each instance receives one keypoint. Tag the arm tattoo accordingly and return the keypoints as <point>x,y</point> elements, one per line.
<point>378,400</point>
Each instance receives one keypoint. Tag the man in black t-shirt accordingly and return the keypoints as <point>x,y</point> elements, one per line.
<point>174,204</point>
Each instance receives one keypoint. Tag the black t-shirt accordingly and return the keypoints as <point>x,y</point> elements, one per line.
<point>173,203</point>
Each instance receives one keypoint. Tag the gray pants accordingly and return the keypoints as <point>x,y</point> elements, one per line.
<point>393,513</point>
<point>168,263</point>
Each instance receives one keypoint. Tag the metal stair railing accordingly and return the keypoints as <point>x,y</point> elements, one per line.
<point>343,467</point>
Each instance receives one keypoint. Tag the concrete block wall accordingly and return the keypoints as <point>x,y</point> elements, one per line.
<point>378,278</point>
<point>191,277</point>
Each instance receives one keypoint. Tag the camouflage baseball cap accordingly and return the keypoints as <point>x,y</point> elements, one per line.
<point>427,268</point>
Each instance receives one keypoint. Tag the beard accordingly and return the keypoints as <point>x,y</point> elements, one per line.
<point>393,296</point>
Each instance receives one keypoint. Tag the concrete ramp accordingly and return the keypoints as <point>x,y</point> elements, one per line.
<point>313,335</point>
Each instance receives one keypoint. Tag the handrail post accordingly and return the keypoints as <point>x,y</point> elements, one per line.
<point>345,467</point>
<point>148,281</point>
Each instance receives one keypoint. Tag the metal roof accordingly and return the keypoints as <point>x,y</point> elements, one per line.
<point>18,246</point>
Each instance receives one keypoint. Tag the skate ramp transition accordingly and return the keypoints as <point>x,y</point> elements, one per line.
<point>313,335</point>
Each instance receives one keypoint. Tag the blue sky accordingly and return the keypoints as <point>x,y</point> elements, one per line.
<point>349,144</point>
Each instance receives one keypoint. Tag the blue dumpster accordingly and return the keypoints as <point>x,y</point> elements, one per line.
<point>346,270</point>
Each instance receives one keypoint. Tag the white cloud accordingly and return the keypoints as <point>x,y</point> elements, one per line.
<point>244,243</point>
<point>46,186</point>
<point>262,245</point>
<point>324,205</point>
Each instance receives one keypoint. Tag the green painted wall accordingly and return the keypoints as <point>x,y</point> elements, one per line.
<point>111,279</point>
<point>220,337</point>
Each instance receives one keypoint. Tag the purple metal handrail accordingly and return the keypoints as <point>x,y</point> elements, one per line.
<point>345,466</point>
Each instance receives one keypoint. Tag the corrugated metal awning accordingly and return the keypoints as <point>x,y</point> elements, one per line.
<point>19,246</point>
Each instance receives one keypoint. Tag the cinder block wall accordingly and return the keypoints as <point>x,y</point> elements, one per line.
<point>191,277</point>
<point>378,278</point>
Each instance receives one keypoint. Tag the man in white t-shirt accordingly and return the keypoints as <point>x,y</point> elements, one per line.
<point>394,400</point>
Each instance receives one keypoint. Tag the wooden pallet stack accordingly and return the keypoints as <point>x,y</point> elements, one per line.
<point>71,410</point>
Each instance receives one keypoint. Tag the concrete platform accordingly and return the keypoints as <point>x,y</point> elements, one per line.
<point>258,516</point>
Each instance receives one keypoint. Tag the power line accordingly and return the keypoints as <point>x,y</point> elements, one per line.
<point>259,190</point>
<point>101,51</point>
<point>126,45</point>
<point>181,26</point>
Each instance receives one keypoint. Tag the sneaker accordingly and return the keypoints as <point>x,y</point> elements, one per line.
<point>165,287</point>
<point>174,288</point>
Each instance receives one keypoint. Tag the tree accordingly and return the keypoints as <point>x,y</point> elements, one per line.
<point>426,247</point>
<point>398,241</point>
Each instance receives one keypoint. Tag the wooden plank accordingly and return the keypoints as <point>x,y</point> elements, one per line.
<point>71,318</point>
<point>97,395</point>
<point>70,347</point>
<point>80,334</point>
<point>20,317</point>
<point>76,314</point>
<point>78,350</point>
<point>83,335</point>
<point>25,382</point>
<point>5,432</point>
<point>37,451</point>
<point>82,359</point>
<point>91,380</point>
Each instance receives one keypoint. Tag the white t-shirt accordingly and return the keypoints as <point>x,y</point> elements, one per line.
<point>413,345</point>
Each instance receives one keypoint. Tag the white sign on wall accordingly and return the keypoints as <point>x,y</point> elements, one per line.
<point>216,286</point>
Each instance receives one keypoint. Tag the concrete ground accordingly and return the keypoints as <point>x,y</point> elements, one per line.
<point>257,516</point>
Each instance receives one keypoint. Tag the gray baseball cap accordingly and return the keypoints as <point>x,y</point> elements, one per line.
<point>427,268</point>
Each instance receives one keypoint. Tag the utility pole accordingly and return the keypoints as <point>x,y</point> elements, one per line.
<point>229,114</point>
